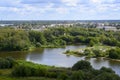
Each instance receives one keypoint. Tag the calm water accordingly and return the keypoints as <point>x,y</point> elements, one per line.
<point>55,57</point>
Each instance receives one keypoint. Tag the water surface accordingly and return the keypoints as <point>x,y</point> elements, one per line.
<point>55,57</point>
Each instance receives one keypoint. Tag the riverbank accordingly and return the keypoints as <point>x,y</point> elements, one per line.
<point>95,51</point>
<point>118,60</point>
<point>23,70</point>
<point>54,57</point>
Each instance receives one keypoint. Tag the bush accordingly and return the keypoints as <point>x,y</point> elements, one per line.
<point>52,75</point>
<point>82,65</point>
<point>98,53</point>
<point>87,52</point>
<point>23,70</point>
<point>114,53</point>
<point>109,70</point>
<point>79,75</point>
<point>6,63</point>
<point>38,44</point>
<point>107,76</point>
<point>63,76</point>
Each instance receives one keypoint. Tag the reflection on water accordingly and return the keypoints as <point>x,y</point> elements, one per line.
<point>115,66</point>
<point>55,57</point>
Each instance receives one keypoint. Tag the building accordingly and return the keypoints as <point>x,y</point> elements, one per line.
<point>3,25</point>
<point>107,28</point>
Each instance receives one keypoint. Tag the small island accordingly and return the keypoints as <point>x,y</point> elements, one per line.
<point>97,51</point>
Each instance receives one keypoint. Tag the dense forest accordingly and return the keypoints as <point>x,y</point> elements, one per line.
<point>22,40</point>
<point>82,70</point>
<point>19,40</point>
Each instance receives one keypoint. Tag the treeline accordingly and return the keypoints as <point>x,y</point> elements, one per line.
<point>14,40</point>
<point>19,40</point>
<point>82,70</point>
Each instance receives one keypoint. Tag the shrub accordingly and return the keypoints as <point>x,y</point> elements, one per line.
<point>98,53</point>
<point>109,70</point>
<point>23,70</point>
<point>114,53</point>
<point>63,76</point>
<point>6,63</point>
<point>107,76</point>
<point>78,75</point>
<point>82,65</point>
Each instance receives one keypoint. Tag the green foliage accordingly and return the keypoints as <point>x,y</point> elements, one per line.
<point>24,70</point>
<point>91,43</point>
<point>109,70</point>
<point>87,52</point>
<point>107,76</point>
<point>78,75</point>
<point>82,65</point>
<point>110,41</point>
<point>114,53</point>
<point>79,39</point>
<point>13,40</point>
<point>63,76</point>
<point>37,37</point>
<point>36,71</point>
<point>19,40</point>
<point>68,39</point>
<point>59,42</point>
<point>6,63</point>
<point>98,53</point>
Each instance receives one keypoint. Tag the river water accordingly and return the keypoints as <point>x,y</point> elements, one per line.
<point>55,57</point>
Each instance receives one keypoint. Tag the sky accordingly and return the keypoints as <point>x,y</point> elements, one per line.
<point>60,9</point>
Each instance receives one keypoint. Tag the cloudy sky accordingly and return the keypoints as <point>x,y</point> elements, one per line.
<point>59,9</point>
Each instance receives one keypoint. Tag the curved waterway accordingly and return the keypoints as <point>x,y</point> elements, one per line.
<point>55,57</point>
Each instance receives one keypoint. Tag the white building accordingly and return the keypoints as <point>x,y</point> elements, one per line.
<point>107,28</point>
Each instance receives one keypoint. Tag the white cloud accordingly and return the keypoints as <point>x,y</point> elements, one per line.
<point>62,7</point>
<point>62,10</point>
<point>96,1</point>
<point>70,2</point>
<point>101,1</point>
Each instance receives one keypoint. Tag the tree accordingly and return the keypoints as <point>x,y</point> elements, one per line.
<point>114,53</point>
<point>82,65</point>
<point>36,37</point>
<point>91,43</point>
<point>6,63</point>
<point>109,70</point>
<point>98,53</point>
<point>87,52</point>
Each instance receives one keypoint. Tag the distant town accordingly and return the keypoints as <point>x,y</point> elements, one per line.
<point>110,25</point>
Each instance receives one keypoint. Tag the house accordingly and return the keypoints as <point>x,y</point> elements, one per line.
<point>107,28</point>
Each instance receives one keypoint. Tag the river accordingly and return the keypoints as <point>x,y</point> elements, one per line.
<point>55,57</point>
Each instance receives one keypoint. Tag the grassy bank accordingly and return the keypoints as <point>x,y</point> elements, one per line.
<point>95,51</point>
<point>82,70</point>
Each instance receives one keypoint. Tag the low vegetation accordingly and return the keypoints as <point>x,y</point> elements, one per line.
<point>82,70</point>
<point>97,51</point>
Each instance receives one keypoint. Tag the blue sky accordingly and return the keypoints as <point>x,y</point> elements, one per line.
<point>59,9</point>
